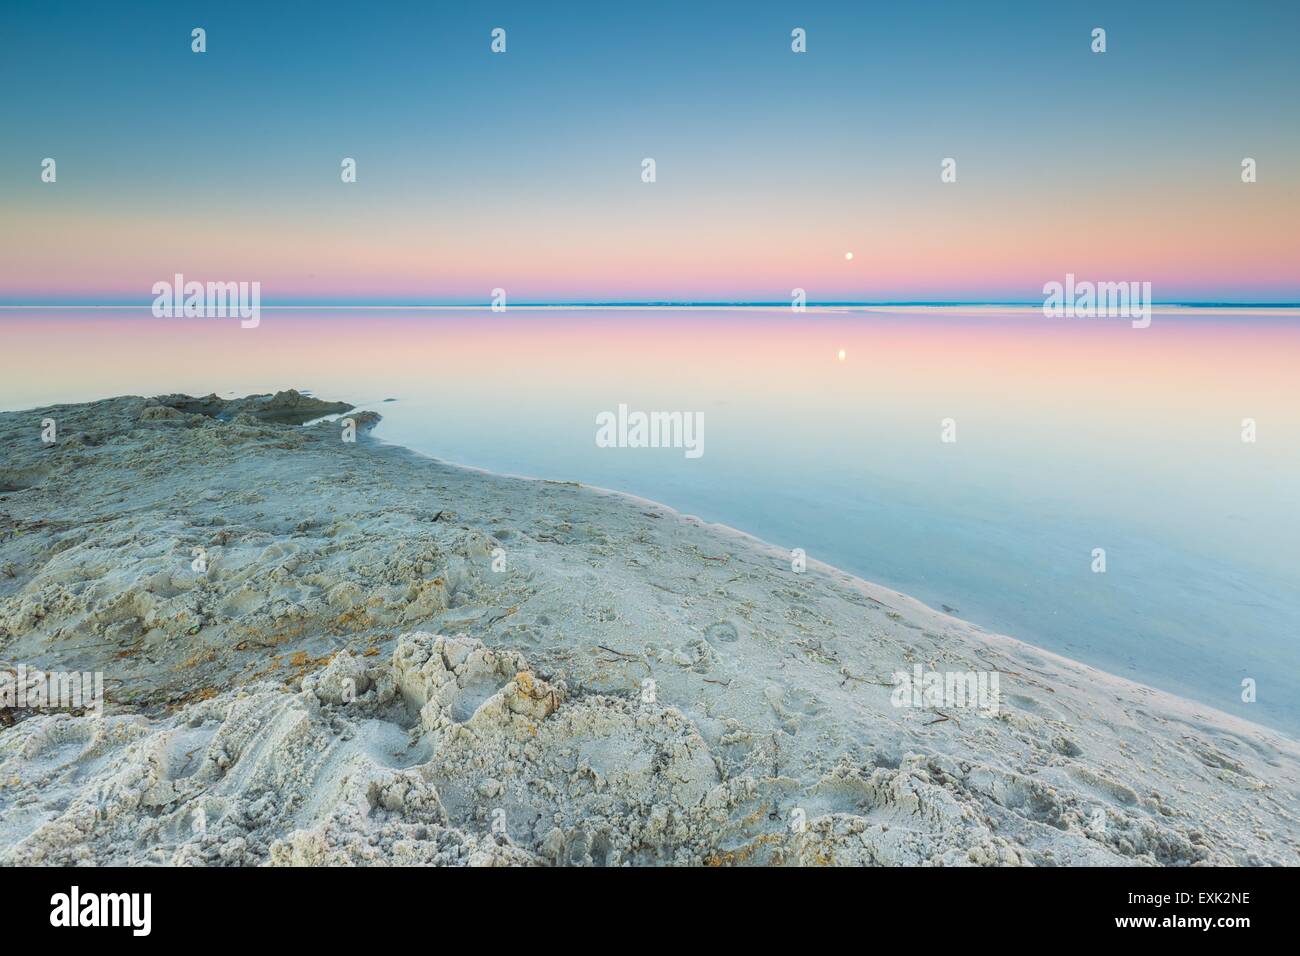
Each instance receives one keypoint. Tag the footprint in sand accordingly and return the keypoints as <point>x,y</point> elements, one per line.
<point>723,632</point>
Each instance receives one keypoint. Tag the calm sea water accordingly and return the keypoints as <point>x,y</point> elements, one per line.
<point>822,431</point>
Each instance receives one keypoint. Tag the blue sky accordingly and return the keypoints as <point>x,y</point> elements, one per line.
<point>522,169</point>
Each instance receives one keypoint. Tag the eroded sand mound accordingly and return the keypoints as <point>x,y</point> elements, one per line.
<point>449,753</point>
<point>387,659</point>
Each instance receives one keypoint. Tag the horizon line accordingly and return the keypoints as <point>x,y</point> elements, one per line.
<point>668,304</point>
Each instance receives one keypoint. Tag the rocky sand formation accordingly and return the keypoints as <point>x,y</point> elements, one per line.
<point>325,652</point>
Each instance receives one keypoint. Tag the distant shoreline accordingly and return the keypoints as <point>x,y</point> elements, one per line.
<point>666,306</point>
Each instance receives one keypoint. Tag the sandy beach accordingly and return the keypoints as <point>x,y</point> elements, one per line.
<point>326,652</point>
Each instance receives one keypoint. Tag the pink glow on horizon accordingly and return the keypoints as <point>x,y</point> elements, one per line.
<point>1219,250</point>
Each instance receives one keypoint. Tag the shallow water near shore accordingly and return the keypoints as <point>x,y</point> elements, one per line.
<point>822,431</point>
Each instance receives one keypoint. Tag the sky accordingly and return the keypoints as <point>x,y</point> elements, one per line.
<point>523,170</point>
